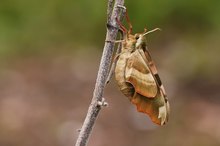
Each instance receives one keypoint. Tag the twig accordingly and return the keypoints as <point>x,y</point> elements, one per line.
<point>118,49</point>
<point>109,10</point>
<point>105,63</point>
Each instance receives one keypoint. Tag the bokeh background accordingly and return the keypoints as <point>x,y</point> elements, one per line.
<point>49,57</point>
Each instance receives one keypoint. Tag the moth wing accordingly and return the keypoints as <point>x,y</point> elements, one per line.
<point>157,108</point>
<point>149,96</point>
<point>153,69</point>
<point>139,75</point>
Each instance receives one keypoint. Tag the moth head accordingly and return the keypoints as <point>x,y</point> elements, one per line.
<point>140,37</point>
<point>137,40</point>
<point>134,41</point>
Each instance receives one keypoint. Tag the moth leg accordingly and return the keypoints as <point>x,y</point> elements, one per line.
<point>113,64</point>
<point>127,19</point>
<point>112,69</point>
<point>129,22</point>
<point>116,41</point>
<point>117,54</point>
<point>110,73</point>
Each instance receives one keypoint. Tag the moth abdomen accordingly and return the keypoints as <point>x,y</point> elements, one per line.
<point>126,88</point>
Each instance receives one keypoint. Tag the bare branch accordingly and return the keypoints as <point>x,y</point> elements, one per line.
<point>117,51</point>
<point>94,107</point>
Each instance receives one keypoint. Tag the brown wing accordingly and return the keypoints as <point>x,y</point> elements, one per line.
<point>149,97</point>
<point>157,108</point>
<point>153,70</point>
<point>139,75</point>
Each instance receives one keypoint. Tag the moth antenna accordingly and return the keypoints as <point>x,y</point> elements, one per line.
<point>156,29</point>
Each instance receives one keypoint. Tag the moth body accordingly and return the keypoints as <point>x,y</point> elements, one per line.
<point>126,88</point>
<point>137,78</point>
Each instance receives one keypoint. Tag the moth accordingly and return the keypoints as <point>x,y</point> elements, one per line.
<point>137,76</point>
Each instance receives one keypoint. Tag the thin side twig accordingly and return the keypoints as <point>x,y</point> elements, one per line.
<point>105,63</point>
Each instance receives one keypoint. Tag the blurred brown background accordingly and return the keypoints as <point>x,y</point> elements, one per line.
<point>49,57</point>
